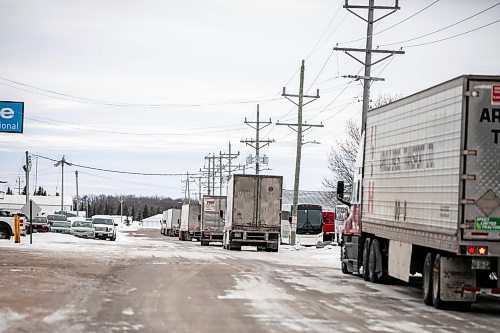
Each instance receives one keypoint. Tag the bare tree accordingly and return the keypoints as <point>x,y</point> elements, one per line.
<point>383,100</point>
<point>341,159</point>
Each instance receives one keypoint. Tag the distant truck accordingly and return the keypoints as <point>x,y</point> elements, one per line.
<point>190,222</point>
<point>170,222</point>
<point>328,226</point>
<point>426,192</point>
<point>253,212</point>
<point>213,212</point>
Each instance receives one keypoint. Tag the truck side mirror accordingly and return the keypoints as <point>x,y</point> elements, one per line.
<point>325,219</point>
<point>290,219</point>
<point>221,214</point>
<point>340,189</point>
<point>199,217</point>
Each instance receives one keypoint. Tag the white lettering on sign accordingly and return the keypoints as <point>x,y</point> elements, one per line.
<point>495,95</point>
<point>7,113</point>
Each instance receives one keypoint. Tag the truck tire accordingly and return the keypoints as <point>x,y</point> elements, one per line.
<point>345,270</point>
<point>234,247</point>
<point>366,257</point>
<point>427,278</point>
<point>374,261</point>
<point>436,283</point>
<point>4,233</point>
<point>204,243</point>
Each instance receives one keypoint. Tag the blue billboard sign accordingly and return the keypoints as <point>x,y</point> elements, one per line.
<point>11,117</point>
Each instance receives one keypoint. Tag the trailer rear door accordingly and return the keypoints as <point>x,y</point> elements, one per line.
<point>481,164</point>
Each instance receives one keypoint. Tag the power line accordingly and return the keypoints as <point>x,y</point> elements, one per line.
<point>444,28</point>
<point>454,36</point>
<point>69,125</point>
<point>113,171</point>
<point>85,100</point>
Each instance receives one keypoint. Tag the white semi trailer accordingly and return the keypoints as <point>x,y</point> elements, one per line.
<point>190,222</point>
<point>213,213</point>
<point>253,212</point>
<point>171,222</point>
<point>426,192</point>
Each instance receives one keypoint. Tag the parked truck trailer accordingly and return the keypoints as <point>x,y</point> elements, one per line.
<point>426,192</point>
<point>190,222</point>
<point>213,213</point>
<point>171,222</point>
<point>253,212</point>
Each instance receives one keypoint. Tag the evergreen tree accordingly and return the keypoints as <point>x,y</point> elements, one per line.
<point>118,210</point>
<point>125,210</point>
<point>145,212</point>
<point>133,213</point>
<point>158,211</point>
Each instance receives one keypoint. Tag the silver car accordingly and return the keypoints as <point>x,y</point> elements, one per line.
<point>82,229</point>
<point>61,227</point>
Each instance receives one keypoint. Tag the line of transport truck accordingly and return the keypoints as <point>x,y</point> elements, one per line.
<point>425,198</point>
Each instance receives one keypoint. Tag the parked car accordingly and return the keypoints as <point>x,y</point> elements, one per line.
<point>60,227</point>
<point>84,229</point>
<point>56,218</point>
<point>104,228</point>
<point>41,224</point>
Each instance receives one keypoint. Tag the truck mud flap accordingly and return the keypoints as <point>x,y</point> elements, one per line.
<point>455,275</point>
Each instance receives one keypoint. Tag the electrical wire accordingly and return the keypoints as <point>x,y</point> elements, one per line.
<point>115,171</point>
<point>444,28</point>
<point>454,36</point>
<point>65,125</point>
<point>85,100</point>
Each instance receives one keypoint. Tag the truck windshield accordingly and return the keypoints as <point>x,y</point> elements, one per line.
<point>103,221</point>
<point>309,221</point>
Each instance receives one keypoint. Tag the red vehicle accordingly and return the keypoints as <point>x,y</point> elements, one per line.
<point>40,224</point>
<point>328,225</point>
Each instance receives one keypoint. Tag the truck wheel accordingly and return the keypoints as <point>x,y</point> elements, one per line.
<point>204,243</point>
<point>345,270</point>
<point>4,233</point>
<point>436,283</point>
<point>374,261</point>
<point>427,278</point>
<point>234,247</point>
<point>366,255</point>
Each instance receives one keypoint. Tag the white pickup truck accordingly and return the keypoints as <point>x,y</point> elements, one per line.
<point>7,224</point>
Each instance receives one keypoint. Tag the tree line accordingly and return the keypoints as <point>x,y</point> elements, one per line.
<point>138,207</point>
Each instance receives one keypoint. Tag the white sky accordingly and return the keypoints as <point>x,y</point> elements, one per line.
<point>180,53</point>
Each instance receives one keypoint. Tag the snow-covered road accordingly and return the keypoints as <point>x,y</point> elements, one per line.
<point>146,282</point>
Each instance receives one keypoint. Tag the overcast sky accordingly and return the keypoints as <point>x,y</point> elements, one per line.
<point>155,86</point>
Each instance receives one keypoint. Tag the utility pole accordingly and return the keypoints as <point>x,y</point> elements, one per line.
<point>18,181</point>
<point>27,169</point>
<point>229,156</point>
<point>198,180</point>
<point>209,172</point>
<point>77,198</point>
<point>257,140</point>
<point>121,209</point>
<point>36,175</point>
<point>61,163</point>
<point>300,129</point>
<point>367,78</point>
<point>187,189</point>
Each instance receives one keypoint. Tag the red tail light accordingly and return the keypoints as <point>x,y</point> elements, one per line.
<point>471,250</point>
